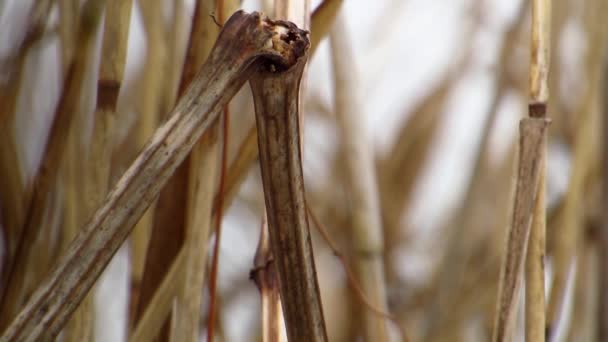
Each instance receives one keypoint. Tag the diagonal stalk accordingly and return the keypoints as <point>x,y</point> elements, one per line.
<point>276,95</point>
<point>246,41</point>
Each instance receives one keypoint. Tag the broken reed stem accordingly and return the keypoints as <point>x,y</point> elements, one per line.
<point>360,184</point>
<point>532,142</point>
<point>276,98</point>
<point>246,41</point>
<point>265,277</point>
<point>539,96</point>
<point>21,279</point>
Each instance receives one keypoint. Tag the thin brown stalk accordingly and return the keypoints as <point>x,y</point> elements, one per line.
<point>149,109</point>
<point>265,277</point>
<point>539,96</point>
<point>247,42</point>
<point>276,97</point>
<point>20,279</point>
<point>366,231</point>
<point>90,162</point>
<point>532,142</point>
<point>602,317</point>
<point>213,274</point>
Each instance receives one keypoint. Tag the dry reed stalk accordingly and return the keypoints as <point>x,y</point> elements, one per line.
<point>15,193</point>
<point>276,97</point>
<point>21,280</point>
<point>568,237</point>
<point>148,105</point>
<point>265,278</point>
<point>247,41</point>
<point>360,184</point>
<point>82,186</point>
<point>539,96</point>
<point>602,319</point>
<point>527,231</point>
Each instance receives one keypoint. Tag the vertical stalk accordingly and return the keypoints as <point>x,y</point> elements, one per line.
<point>276,96</point>
<point>367,238</point>
<point>527,234</point>
<point>602,317</point>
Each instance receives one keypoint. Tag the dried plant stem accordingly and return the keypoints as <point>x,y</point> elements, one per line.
<point>602,318</point>
<point>213,274</point>
<point>367,238</point>
<point>149,108</point>
<point>531,144</point>
<point>247,41</point>
<point>265,278</point>
<point>20,281</point>
<point>539,96</point>
<point>15,194</point>
<point>276,97</point>
<point>159,307</point>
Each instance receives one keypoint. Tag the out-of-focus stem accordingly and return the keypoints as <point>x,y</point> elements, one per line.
<point>367,239</point>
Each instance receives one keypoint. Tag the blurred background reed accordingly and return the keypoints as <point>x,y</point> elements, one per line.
<point>410,112</point>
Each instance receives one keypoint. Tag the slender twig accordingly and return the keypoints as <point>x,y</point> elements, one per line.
<point>276,96</point>
<point>247,42</point>
<point>360,184</point>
